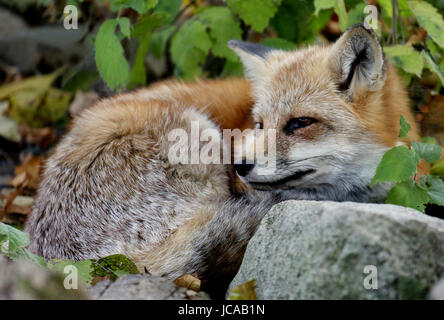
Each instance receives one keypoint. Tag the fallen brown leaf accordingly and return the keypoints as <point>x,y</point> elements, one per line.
<point>31,167</point>
<point>18,180</point>
<point>189,282</point>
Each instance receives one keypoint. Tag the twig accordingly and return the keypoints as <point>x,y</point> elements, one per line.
<point>400,21</point>
<point>394,22</point>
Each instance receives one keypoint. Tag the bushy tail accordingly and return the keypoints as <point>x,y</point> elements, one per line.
<point>220,246</point>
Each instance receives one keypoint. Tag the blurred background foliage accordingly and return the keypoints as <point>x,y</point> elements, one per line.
<point>49,74</point>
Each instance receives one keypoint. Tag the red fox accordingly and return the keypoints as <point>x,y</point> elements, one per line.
<point>110,187</point>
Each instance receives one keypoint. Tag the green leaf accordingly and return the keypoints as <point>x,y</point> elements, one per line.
<point>428,152</point>
<point>223,26</point>
<point>356,14</point>
<point>84,268</point>
<point>16,239</point>
<point>232,69</point>
<point>109,56</point>
<point>405,127</point>
<point>189,48</point>
<point>172,7</point>
<point>408,194</point>
<point>397,164</point>
<point>432,66</point>
<point>255,13</point>
<point>436,190</point>
<point>125,27</point>
<point>17,242</point>
<point>143,30</point>
<point>25,254</point>
<point>430,19</point>
<point>113,266</point>
<point>159,40</point>
<point>295,21</point>
<point>386,6</point>
<point>279,43</point>
<point>148,23</point>
<point>406,58</point>
<point>338,6</point>
<point>141,6</point>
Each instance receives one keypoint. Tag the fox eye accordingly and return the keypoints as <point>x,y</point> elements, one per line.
<point>298,123</point>
<point>259,125</point>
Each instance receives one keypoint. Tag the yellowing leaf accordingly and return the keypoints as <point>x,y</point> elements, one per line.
<point>438,168</point>
<point>40,83</point>
<point>244,291</point>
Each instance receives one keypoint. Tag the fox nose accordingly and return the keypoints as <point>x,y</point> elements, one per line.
<point>243,168</point>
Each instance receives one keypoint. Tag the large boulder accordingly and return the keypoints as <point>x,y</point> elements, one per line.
<point>332,250</point>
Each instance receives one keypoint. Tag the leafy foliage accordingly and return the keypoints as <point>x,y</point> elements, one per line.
<point>399,164</point>
<point>256,13</point>
<point>13,243</point>
<point>190,47</point>
<point>406,58</point>
<point>428,18</point>
<point>192,35</point>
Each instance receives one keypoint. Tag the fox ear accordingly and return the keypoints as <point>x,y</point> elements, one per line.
<point>357,61</point>
<point>253,57</point>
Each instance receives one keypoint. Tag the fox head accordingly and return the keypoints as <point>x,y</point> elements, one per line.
<point>335,111</point>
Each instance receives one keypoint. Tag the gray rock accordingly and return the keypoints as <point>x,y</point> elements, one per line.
<point>437,292</point>
<point>24,47</point>
<point>25,280</point>
<point>318,250</point>
<point>137,287</point>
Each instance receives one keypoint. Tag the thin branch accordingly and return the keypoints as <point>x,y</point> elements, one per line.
<point>394,22</point>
